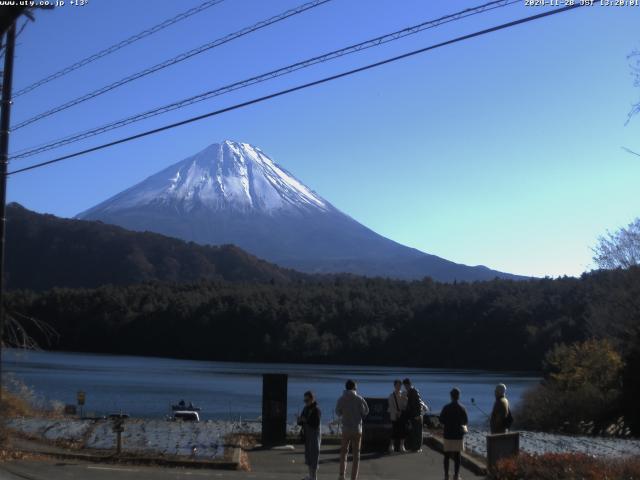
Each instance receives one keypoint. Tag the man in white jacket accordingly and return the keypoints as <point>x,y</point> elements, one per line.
<point>397,405</point>
<point>351,408</point>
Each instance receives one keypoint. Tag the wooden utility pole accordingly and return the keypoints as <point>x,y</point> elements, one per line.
<point>9,15</point>
<point>5,123</point>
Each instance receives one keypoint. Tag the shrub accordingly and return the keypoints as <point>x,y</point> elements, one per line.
<point>593,362</point>
<point>581,392</point>
<point>631,389</point>
<point>563,466</point>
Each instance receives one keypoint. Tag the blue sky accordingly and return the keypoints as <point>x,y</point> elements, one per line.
<point>504,150</point>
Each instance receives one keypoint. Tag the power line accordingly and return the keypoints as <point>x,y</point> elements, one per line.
<point>172,61</point>
<point>300,87</point>
<point>114,48</point>
<point>264,77</point>
<point>628,150</point>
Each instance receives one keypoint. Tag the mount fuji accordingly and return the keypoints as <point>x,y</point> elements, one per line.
<point>233,193</point>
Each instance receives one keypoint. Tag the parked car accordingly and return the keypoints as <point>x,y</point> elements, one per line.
<point>186,416</point>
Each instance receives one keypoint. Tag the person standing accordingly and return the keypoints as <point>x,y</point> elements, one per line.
<point>413,414</point>
<point>397,405</point>
<point>351,408</point>
<point>309,420</point>
<point>500,415</point>
<point>455,419</point>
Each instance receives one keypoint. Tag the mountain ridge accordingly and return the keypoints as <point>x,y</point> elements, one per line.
<point>45,251</point>
<point>233,193</point>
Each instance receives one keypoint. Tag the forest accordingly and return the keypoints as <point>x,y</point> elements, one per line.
<point>501,324</point>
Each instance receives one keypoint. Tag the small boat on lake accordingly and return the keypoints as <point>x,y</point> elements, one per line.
<point>184,407</point>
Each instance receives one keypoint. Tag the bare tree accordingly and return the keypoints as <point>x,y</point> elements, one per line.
<point>634,64</point>
<point>620,249</point>
<point>18,330</point>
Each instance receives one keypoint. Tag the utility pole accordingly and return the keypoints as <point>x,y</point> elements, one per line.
<point>9,15</point>
<point>5,123</point>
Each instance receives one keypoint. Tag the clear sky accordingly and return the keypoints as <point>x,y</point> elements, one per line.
<point>504,150</point>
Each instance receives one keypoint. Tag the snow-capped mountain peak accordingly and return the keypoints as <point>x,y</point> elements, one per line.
<point>227,175</point>
<point>233,193</point>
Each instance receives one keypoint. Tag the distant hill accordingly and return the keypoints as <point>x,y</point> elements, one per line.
<point>44,251</point>
<point>233,193</point>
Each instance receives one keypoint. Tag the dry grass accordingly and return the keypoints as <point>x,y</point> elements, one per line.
<point>11,406</point>
<point>19,401</point>
<point>565,466</point>
<point>15,405</point>
<point>7,455</point>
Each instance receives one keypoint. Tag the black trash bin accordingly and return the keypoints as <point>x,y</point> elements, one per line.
<point>274,409</point>
<point>376,431</point>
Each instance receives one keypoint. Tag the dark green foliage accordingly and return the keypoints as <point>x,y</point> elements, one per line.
<point>505,325</point>
<point>44,251</point>
<point>611,313</point>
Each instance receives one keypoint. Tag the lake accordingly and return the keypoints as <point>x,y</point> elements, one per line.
<point>146,387</point>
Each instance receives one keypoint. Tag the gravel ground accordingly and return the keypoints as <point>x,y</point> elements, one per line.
<point>538,443</point>
<point>162,437</point>
<point>52,429</point>
<point>157,437</point>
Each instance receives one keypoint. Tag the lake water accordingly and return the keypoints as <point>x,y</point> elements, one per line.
<point>146,387</point>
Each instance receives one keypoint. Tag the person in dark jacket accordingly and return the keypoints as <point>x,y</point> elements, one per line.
<point>413,413</point>
<point>309,419</point>
<point>454,418</point>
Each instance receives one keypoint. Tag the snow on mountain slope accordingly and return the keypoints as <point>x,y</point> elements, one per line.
<point>223,176</point>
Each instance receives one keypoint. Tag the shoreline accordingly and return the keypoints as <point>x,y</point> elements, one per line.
<point>433,369</point>
<point>210,438</point>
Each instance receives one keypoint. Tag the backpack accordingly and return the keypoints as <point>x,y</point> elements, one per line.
<point>508,421</point>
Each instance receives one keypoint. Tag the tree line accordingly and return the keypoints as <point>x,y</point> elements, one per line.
<point>501,324</point>
<point>530,325</point>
